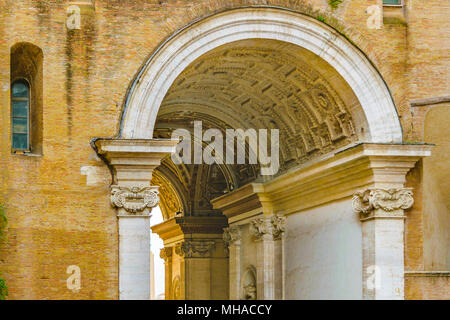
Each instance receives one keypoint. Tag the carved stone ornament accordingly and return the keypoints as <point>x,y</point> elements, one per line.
<point>272,227</point>
<point>195,248</point>
<point>279,226</point>
<point>134,199</point>
<point>250,292</point>
<point>260,227</point>
<point>376,202</point>
<point>165,253</point>
<point>231,235</point>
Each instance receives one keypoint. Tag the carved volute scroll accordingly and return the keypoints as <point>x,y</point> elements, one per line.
<point>134,200</point>
<point>374,203</point>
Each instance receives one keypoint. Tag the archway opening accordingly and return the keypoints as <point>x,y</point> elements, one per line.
<point>254,84</point>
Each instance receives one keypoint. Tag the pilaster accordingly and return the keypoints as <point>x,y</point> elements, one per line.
<point>268,232</point>
<point>382,215</point>
<point>166,255</point>
<point>199,262</point>
<point>132,163</point>
<point>232,242</point>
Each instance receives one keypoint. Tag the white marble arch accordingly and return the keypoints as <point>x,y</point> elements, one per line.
<point>171,58</point>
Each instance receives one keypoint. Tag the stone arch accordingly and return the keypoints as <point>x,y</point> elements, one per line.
<point>176,54</point>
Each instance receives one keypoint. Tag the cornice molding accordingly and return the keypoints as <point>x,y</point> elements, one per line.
<point>179,226</point>
<point>132,161</point>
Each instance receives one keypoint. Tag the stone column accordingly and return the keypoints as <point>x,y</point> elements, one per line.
<point>382,215</point>
<point>232,241</point>
<point>134,205</point>
<point>266,231</point>
<point>279,228</point>
<point>132,163</point>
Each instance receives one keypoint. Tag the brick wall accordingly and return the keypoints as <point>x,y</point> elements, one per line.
<point>427,286</point>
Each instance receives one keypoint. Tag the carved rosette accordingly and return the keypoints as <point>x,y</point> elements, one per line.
<point>268,227</point>
<point>134,200</point>
<point>165,253</point>
<point>382,203</point>
<point>195,248</point>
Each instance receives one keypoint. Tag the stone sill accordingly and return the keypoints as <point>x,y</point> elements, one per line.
<point>444,274</point>
<point>27,154</point>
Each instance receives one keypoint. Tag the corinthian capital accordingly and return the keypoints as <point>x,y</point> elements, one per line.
<point>268,227</point>
<point>134,200</point>
<point>380,202</point>
<point>165,253</point>
<point>231,236</point>
<point>261,227</point>
<point>279,226</point>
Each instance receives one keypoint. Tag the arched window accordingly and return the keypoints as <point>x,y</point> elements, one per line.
<point>26,99</point>
<point>20,115</point>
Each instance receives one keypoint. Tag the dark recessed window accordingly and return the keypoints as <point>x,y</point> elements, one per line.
<point>20,99</point>
<point>26,99</point>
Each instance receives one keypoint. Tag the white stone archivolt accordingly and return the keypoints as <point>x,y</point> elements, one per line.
<point>186,46</point>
